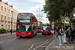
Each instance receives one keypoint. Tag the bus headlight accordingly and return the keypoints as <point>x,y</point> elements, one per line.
<point>29,33</point>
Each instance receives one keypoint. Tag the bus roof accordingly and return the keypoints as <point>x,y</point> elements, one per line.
<point>25,12</point>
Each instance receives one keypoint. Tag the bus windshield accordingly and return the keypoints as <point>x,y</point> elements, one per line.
<point>23,21</point>
<point>23,27</point>
<point>46,27</point>
<point>24,16</point>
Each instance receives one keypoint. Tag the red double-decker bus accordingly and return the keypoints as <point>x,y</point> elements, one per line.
<point>26,25</point>
<point>46,29</point>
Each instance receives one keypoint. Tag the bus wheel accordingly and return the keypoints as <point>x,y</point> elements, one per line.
<point>36,33</point>
<point>42,34</point>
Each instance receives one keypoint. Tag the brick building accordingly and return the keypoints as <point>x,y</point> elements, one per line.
<point>7,13</point>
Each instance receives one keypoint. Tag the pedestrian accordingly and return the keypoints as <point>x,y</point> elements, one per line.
<point>69,34</point>
<point>59,34</point>
<point>64,35</point>
<point>72,34</point>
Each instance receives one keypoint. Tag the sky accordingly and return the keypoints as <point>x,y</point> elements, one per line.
<point>33,6</point>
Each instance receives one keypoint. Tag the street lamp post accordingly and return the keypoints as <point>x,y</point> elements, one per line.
<point>11,21</point>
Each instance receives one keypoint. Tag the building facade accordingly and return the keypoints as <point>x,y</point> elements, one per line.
<point>7,14</point>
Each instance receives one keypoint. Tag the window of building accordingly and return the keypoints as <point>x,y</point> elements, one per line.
<point>8,27</point>
<point>14,26</point>
<point>5,18</point>
<point>5,9</point>
<point>11,19</point>
<point>1,26</point>
<point>12,12</point>
<point>1,17</point>
<point>1,8</point>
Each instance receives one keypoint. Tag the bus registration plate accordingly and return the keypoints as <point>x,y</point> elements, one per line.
<point>23,36</point>
<point>46,33</point>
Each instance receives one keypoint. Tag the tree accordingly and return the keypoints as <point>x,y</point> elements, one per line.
<point>55,9</point>
<point>70,4</point>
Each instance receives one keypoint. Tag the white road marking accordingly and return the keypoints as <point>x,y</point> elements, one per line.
<point>10,39</point>
<point>47,40</point>
<point>34,44</point>
<point>7,40</point>
<point>31,47</point>
<point>1,42</point>
<point>43,46</point>
<point>39,42</point>
<point>39,45</point>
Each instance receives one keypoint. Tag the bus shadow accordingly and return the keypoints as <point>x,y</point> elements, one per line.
<point>27,37</point>
<point>24,37</point>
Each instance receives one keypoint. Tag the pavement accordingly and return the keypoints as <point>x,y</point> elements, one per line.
<point>54,45</point>
<point>5,34</point>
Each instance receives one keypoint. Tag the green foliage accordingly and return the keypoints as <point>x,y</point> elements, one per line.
<point>56,22</point>
<point>67,21</point>
<point>2,30</point>
<point>73,20</point>
<point>58,8</point>
<point>74,10</point>
<point>67,24</point>
<point>54,9</point>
